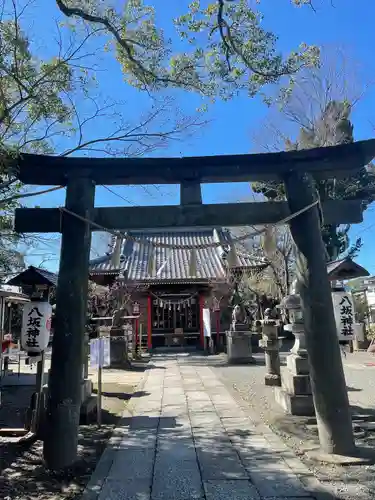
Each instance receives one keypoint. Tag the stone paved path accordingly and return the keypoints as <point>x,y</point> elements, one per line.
<point>189,439</point>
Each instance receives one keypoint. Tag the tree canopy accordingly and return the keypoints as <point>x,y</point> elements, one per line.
<point>54,104</point>
<point>223,47</point>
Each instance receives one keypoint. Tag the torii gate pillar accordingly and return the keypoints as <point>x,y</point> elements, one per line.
<point>326,370</point>
<point>63,410</point>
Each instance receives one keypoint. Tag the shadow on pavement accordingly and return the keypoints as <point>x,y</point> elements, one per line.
<point>361,413</point>
<point>353,389</point>
<point>142,367</point>
<point>165,458</point>
<point>125,396</point>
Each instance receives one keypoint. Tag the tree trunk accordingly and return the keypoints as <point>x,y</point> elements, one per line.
<point>326,370</point>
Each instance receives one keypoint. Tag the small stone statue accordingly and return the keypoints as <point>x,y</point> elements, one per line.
<point>267,313</point>
<point>235,317</point>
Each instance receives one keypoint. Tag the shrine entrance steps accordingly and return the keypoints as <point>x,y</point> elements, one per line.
<point>175,350</point>
<point>188,438</point>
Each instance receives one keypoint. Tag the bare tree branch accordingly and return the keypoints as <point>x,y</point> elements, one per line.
<point>232,47</point>
<point>124,42</point>
<point>18,196</point>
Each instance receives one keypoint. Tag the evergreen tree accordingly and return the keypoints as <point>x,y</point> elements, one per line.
<point>332,128</point>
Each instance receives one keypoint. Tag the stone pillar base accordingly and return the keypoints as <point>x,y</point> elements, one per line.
<point>119,353</point>
<point>295,395</point>
<point>359,345</point>
<point>299,405</point>
<point>88,402</point>
<point>297,365</point>
<point>239,349</point>
<point>272,380</point>
<point>299,385</point>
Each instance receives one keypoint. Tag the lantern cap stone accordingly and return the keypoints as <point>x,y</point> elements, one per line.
<point>292,302</point>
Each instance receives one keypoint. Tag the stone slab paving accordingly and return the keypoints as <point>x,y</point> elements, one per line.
<point>189,439</point>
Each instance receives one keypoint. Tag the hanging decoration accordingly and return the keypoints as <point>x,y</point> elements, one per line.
<point>136,308</point>
<point>216,303</point>
<point>268,242</point>
<point>178,303</point>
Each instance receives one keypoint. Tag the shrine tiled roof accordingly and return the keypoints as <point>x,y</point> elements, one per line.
<point>139,260</point>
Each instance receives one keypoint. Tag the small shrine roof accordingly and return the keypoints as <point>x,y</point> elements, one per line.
<point>345,269</point>
<point>34,275</point>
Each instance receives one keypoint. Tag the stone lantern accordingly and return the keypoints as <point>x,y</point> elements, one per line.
<point>295,395</point>
<point>271,345</point>
<point>292,303</point>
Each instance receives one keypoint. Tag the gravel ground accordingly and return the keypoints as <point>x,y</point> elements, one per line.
<point>300,434</point>
<point>14,402</point>
<point>22,472</point>
<point>24,476</point>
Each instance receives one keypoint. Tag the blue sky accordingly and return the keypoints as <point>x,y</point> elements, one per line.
<point>232,124</point>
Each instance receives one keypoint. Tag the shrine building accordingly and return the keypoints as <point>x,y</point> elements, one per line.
<point>172,275</point>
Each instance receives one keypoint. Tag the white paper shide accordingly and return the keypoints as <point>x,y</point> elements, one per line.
<point>206,322</point>
<point>36,326</point>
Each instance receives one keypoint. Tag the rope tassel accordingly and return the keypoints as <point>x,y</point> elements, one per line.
<point>268,241</point>
<point>232,257</point>
<point>193,263</point>
<point>151,262</point>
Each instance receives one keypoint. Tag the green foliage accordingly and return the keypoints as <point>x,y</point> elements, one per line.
<point>54,105</point>
<point>32,108</point>
<point>225,49</point>
<point>232,52</point>
<point>354,250</point>
<point>371,332</point>
<point>10,258</point>
<point>332,128</point>
<point>30,91</point>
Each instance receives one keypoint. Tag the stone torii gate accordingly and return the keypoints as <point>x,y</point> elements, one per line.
<point>296,169</point>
